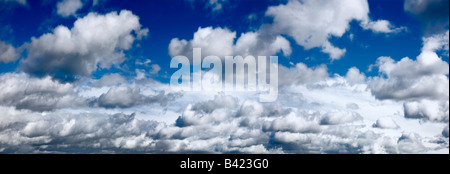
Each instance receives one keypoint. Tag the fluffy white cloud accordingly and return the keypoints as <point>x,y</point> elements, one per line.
<point>67,8</point>
<point>354,76</point>
<point>220,42</point>
<point>427,110</point>
<point>94,41</point>
<point>110,79</point>
<point>381,26</point>
<point>313,22</point>
<point>411,143</point>
<point>7,53</point>
<point>224,124</point>
<point>125,97</point>
<point>386,123</point>
<point>424,78</point>
<point>302,74</point>
<point>24,92</point>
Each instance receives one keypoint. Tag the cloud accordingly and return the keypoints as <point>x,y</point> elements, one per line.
<point>434,13</point>
<point>24,92</point>
<point>214,5</point>
<point>23,2</point>
<point>410,143</point>
<point>339,117</point>
<point>301,74</point>
<point>155,69</point>
<point>126,97</point>
<point>95,41</point>
<point>381,26</point>
<point>313,22</point>
<point>8,53</point>
<point>27,132</point>
<point>386,123</point>
<point>427,110</point>
<point>220,42</point>
<point>445,132</point>
<point>424,78</point>
<point>67,8</point>
<point>354,76</point>
<point>110,79</point>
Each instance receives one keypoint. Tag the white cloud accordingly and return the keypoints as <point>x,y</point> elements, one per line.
<point>126,97</point>
<point>424,78</point>
<point>220,42</point>
<point>7,53</point>
<point>313,22</point>
<point>339,117</point>
<point>24,92</point>
<point>354,76</point>
<point>427,110</point>
<point>67,8</point>
<point>94,41</point>
<point>301,74</point>
<point>155,69</point>
<point>411,143</point>
<point>110,79</point>
<point>386,123</point>
<point>381,26</point>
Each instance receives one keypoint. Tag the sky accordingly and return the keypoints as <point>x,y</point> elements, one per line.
<point>354,76</point>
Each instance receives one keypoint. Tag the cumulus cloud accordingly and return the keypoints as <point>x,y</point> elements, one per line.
<point>424,78</point>
<point>126,97</point>
<point>24,92</point>
<point>27,132</point>
<point>354,76</point>
<point>7,53</point>
<point>434,13</point>
<point>411,143</point>
<point>339,117</point>
<point>385,123</point>
<point>220,42</point>
<point>94,41</point>
<point>110,79</point>
<point>427,110</point>
<point>67,8</point>
<point>312,23</point>
<point>301,74</point>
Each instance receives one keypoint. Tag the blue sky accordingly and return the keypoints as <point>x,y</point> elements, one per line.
<point>180,19</point>
<point>354,76</point>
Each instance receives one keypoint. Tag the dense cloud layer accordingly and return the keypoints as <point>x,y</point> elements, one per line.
<point>95,41</point>
<point>403,110</point>
<point>24,92</point>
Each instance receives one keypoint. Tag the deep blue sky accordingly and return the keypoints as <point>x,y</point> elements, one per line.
<point>168,19</point>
